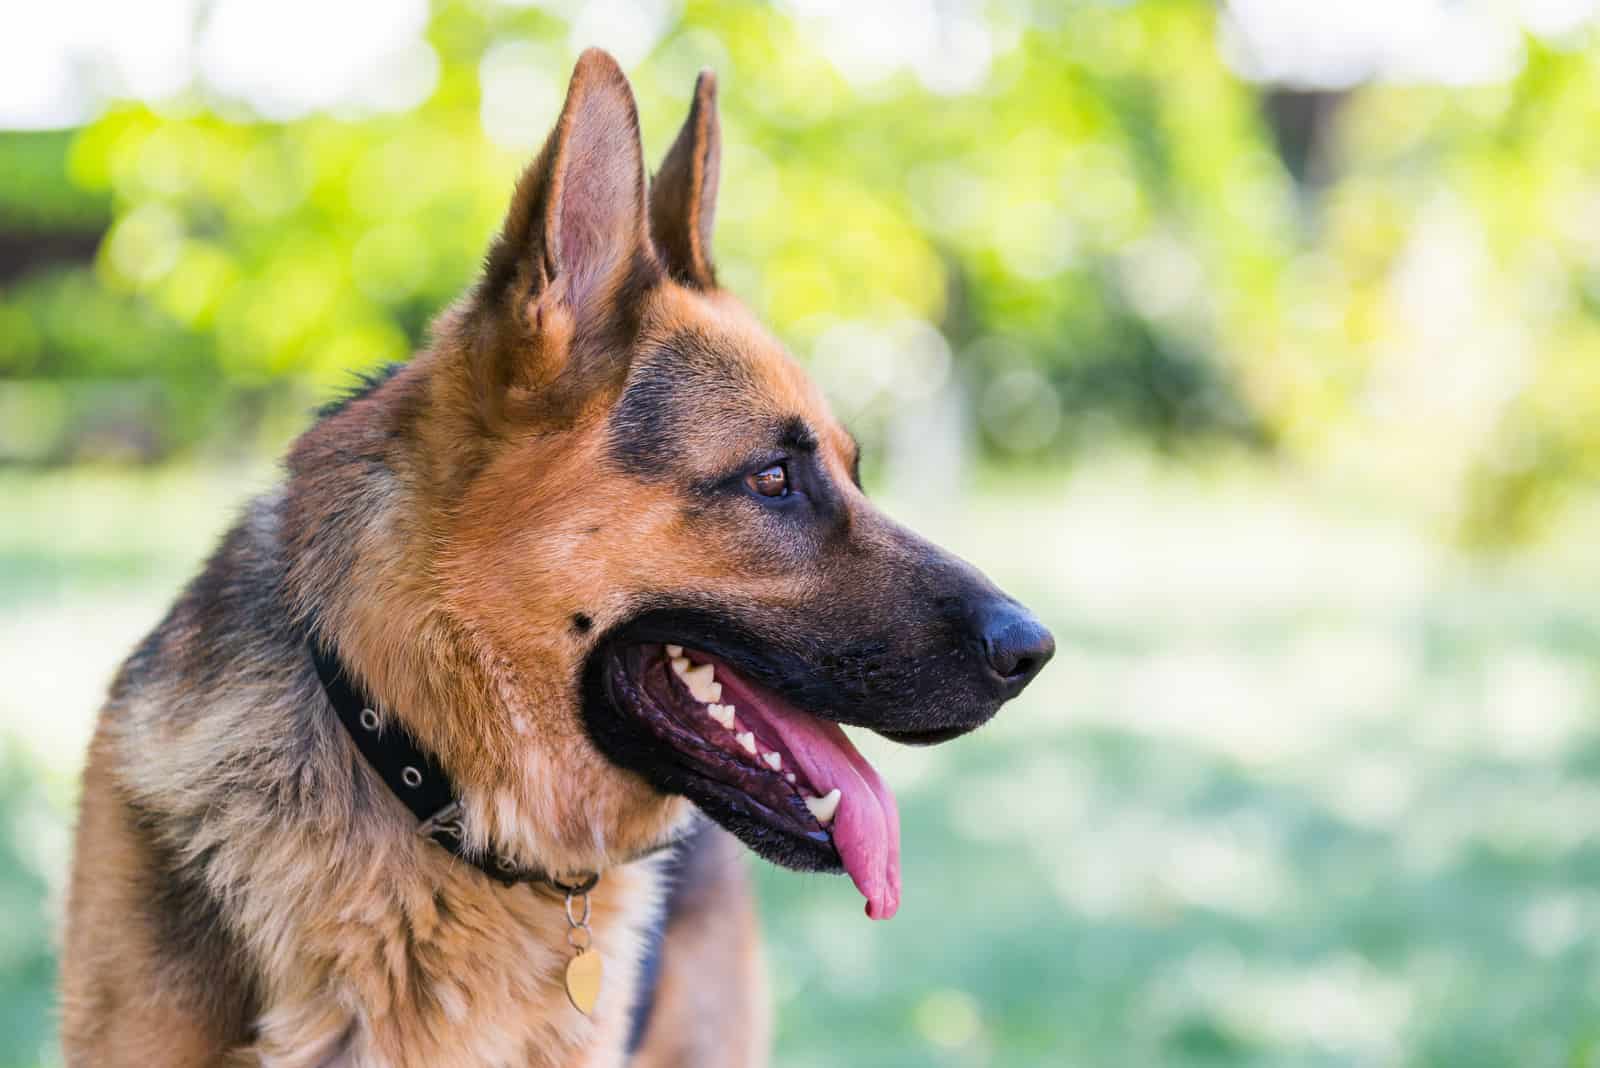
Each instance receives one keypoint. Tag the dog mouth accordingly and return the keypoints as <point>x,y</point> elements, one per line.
<point>787,782</point>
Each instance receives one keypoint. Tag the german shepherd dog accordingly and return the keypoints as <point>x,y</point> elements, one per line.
<point>585,589</point>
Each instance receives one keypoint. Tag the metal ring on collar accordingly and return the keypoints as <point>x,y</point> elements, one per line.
<point>572,920</point>
<point>574,889</point>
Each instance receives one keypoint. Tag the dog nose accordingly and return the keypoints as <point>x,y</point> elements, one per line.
<point>1015,644</point>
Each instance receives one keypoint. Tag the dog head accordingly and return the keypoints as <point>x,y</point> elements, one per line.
<point>650,507</point>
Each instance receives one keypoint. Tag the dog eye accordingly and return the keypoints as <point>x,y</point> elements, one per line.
<point>770,481</point>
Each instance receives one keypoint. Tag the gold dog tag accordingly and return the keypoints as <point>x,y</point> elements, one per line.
<point>583,980</point>
<point>583,970</point>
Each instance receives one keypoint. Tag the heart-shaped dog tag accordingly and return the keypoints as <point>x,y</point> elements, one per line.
<point>583,981</point>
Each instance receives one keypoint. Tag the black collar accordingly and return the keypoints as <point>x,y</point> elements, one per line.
<point>415,777</point>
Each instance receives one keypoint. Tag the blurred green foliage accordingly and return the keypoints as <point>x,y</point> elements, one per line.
<point>1099,240</point>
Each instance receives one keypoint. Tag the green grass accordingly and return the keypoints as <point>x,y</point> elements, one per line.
<point>1300,789</point>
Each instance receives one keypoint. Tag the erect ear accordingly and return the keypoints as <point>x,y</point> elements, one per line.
<point>575,246</point>
<point>683,197</point>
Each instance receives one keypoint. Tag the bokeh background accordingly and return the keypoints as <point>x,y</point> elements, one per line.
<point>1253,343</point>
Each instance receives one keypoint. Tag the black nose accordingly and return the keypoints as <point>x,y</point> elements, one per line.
<point>1015,644</point>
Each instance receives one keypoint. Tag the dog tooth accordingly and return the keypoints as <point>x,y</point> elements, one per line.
<point>748,740</point>
<point>698,679</point>
<point>825,806</point>
<point>713,690</point>
<point>674,651</point>
<point>790,776</point>
<point>774,760</point>
<point>680,664</point>
<point>723,714</point>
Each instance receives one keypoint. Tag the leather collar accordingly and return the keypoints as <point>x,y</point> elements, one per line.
<point>415,777</point>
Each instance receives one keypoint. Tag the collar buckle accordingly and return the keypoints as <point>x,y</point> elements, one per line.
<point>449,821</point>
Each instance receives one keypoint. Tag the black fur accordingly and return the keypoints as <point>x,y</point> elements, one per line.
<point>191,933</point>
<point>671,380</point>
<point>365,383</point>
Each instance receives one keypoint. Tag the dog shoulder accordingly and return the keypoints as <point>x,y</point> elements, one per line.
<point>151,973</point>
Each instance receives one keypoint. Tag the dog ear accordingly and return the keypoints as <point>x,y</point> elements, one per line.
<point>575,248</point>
<point>683,197</point>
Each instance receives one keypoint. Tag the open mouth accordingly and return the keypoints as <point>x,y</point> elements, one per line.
<point>789,783</point>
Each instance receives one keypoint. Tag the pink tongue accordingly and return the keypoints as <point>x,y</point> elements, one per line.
<point>866,827</point>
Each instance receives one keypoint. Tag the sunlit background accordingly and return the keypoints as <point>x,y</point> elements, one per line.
<point>1256,344</point>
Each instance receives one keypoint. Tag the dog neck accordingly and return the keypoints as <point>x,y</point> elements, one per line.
<point>360,522</point>
<point>419,781</point>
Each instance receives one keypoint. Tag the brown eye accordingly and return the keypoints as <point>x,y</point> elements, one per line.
<point>770,481</point>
